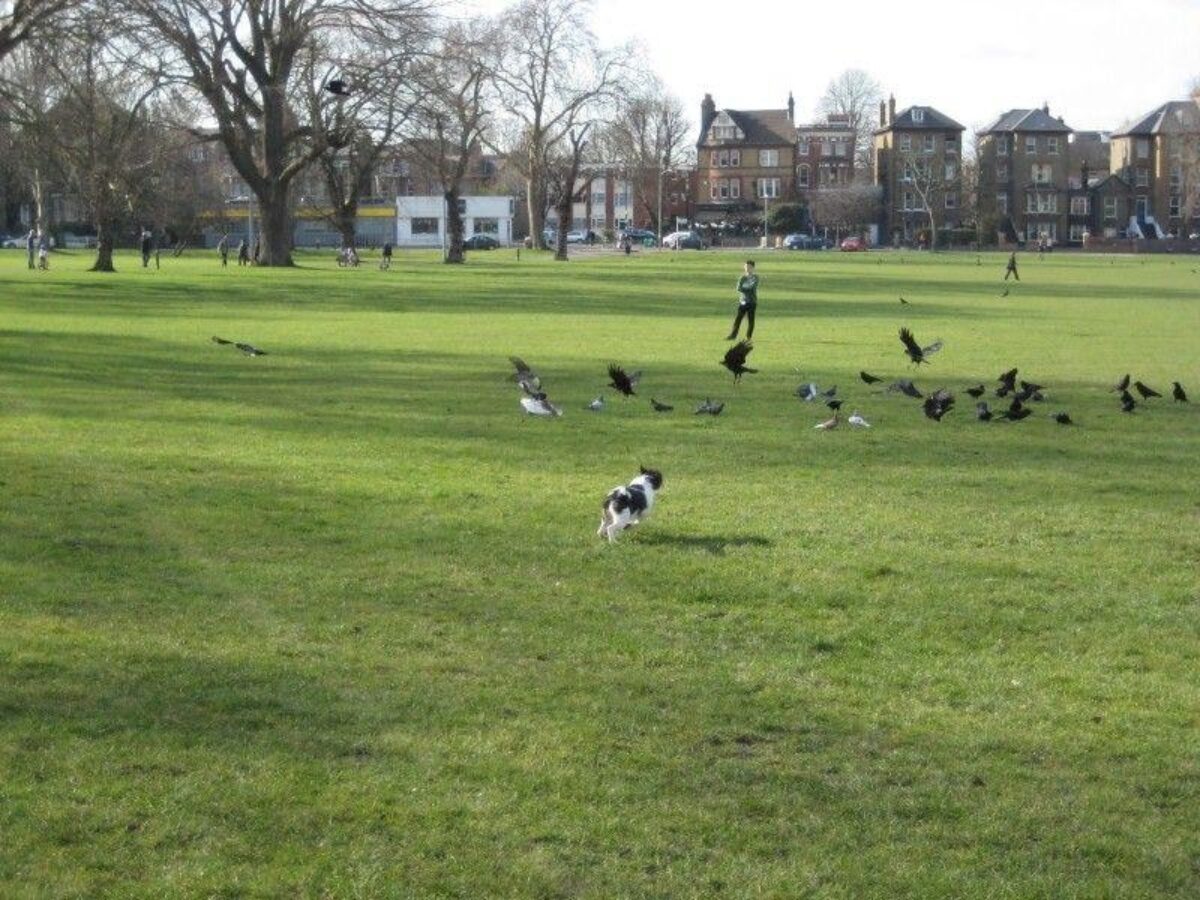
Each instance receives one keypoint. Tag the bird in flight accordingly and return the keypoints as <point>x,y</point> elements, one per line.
<point>828,424</point>
<point>735,360</point>
<point>905,387</point>
<point>938,404</point>
<point>709,408</point>
<point>1120,386</point>
<point>660,407</point>
<point>868,378</point>
<point>218,340</point>
<point>528,379</point>
<point>338,87</point>
<point>1145,390</point>
<point>538,405</point>
<point>914,350</point>
<point>1008,383</point>
<point>1177,392</point>
<point>858,421</point>
<point>1062,418</point>
<point>597,404</point>
<point>620,381</point>
<point>250,350</point>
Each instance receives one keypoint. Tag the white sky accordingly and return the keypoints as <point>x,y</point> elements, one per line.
<point>1097,63</point>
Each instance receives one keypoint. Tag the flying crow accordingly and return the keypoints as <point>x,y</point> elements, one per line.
<point>1122,385</point>
<point>620,381</point>
<point>338,87</point>
<point>528,379</point>
<point>1178,393</point>
<point>938,404</point>
<point>911,347</point>
<point>735,360</point>
<point>1008,383</point>
<point>905,387</point>
<point>1145,390</point>
<point>217,340</point>
<point>905,302</point>
<point>868,378</point>
<point>660,407</point>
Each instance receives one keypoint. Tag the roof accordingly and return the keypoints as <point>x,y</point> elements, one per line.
<point>1171,118</point>
<point>930,120</point>
<point>759,127</point>
<point>1028,120</point>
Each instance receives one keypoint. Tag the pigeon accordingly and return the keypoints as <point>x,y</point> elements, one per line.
<point>828,424</point>
<point>709,408</point>
<point>660,407</point>
<point>808,392</point>
<point>982,413</point>
<point>597,404</point>
<point>911,347</point>
<point>975,392</point>
<point>735,360</point>
<point>938,404</point>
<point>1062,418</point>
<point>1008,383</point>
<point>620,381</point>
<point>905,302</point>
<point>1177,392</point>
<point>338,87</point>
<point>1145,390</point>
<point>217,340</point>
<point>1120,386</point>
<point>858,421</point>
<point>868,378</point>
<point>834,404</point>
<point>538,405</point>
<point>250,350</point>
<point>529,381</point>
<point>905,387</point>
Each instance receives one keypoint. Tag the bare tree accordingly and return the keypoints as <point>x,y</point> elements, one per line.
<point>21,20</point>
<point>551,74</point>
<point>845,209</point>
<point>563,184</point>
<point>242,57</point>
<point>925,183</point>
<point>855,94</point>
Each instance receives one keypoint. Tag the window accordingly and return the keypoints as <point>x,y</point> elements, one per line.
<point>1030,144</point>
<point>735,158</point>
<point>724,132</point>
<point>1002,146</point>
<point>1173,206</point>
<point>905,143</point>
<point>1143,177</point>
<point>1110,207</point>
<point>1002,204</point>
<point>928,143</point>
<point>1040,173</point>
<point>909,201</point>
<point>1041,203</point>
<point>1035,230</point>
<point>908,173</point>
<point>487,226</point>
<point>918,115</point>
<point>951,201</point>
<point>726,189</point>
<point>1176,178</point>
<point>721,158</point>
<point>951,171</point>
<point>839,148</point>
<point>735,188</point>
<point>802,146</point>
<point>1052,146</point>
<point>425,226</point>
<point>827,148</point>
<point>1079,206</point>
<point>768,187</point>
<point>1076,233</point>
<point>768,159</point>
<point>597,199</point>
<point>802,176</point>
<point>462,206</point>
<point>1002,171</point>
<point>1143,148</point>
<point>951,144</point>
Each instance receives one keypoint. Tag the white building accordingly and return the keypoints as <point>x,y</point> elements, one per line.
<point>421,221</point>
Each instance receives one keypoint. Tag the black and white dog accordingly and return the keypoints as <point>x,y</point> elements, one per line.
<point>625,506</point>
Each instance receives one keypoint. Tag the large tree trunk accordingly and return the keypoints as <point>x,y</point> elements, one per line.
<point>536,194</point>
<point>454,228</point>
<point>276,225</point>
<point>104,250</point>
<point>565,208</point>
<point>346,222</point>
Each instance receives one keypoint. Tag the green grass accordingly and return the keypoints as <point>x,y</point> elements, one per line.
<point>334,622</point>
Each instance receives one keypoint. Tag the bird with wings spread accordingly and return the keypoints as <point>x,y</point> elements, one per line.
<point>915,351</point>
<point>621,381</point>
<point>735,360</point>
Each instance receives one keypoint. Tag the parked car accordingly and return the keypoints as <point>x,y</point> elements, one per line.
<point>683,240</point>
<point>638,236</point>
<point>79,241</point>
<point>481,242</point>
<point>853,245</point>
<point>804,242</point>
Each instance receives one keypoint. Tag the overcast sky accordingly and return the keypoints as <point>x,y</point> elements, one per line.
<point>1097,63</point>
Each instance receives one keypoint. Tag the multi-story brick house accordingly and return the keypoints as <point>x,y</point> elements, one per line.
<point>1025,167</point>
<point>918,168</point>
<point>824,156</point>
<point>746,159</point>
<point>1158,155</point>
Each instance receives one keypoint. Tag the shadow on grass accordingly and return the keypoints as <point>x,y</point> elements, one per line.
<point>716,544</point>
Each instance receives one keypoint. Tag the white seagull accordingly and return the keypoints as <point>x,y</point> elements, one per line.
<point>538,405</point>
<point>858,421</point>
<point>597,404</point>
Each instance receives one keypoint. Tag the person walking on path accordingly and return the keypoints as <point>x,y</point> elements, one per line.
<point>243,253</point>
<point>1012,267</point>
<point>747,288</point>
<point>386,262</point>
<point>223,250</point>
<point>31,247</point>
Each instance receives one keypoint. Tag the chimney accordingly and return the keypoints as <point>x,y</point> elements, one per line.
<point>791,108</point>
<point>883,114</point>
<point>1045,107</point>
<point>708,112</point>
<point>891,109</point>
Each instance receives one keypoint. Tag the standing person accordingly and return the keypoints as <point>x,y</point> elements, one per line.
<point>147,246</point>
<point>747,288</point>
<point>1012,267</point>
<point>223,250</point>
<point>257,250</point>
<point>386,262</point>
<point>31,246</point>
<point>243,253</point>
<point>44,252</point>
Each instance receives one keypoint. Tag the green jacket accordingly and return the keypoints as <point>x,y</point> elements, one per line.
<point>747,287</point>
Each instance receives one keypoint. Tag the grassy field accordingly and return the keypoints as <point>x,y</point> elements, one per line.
<point>334,622</point>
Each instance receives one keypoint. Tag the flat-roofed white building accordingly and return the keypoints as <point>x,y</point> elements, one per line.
<point>421,221</point>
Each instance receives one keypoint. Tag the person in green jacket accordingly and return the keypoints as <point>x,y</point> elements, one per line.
<point>747,288</point>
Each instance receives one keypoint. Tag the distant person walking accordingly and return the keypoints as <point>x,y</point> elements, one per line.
<point>31,247</point>
<point>223,250</point>
<point>147,246</point>
<point>44,253</point>
<point>243,253</point>
<point>386,262</point>
<point>747,288</point>
<point>1012,267</point>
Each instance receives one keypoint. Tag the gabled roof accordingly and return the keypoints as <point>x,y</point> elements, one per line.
<point>1174,117</point>
<point>1028,120</point>
<point>760,127</point>
<point>930,120</point>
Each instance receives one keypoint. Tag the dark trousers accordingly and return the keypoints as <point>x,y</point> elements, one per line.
<point>1011,270</point>
<point>747,313</point>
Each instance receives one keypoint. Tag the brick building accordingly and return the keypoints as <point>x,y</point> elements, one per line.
<point>824,156</point>
<point>1158,155</point>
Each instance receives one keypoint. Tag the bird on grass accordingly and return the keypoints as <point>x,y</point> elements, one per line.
<point>832,392</point>
<point>828,424</point>
<point>1008,383</point>
<point>982,413</point>
<point>709,408</point>
<point>905,387</point>
<point>660,407</point>
<point>250,350</point>
<point>868,378</point>
<point>905,302</point>
<point>735,360</point>
<point>1145,390</point>
<point>1128,404</point>
<point>539,405</point>
<point>1016,411</point>
<point>597,404</point>
<point>620,380</point>
<point>1029,391</point>
<point>915,351</point>
<point>975,392</point>
<point>218,340</point>
<point>1062,418</point>
<point>1177,392</point>
<point>858,421</point>
<point>1121,386</point>
<point>808,392</point>
<point>833,404</point>
<point>938,404</point>
<point>528,379</point>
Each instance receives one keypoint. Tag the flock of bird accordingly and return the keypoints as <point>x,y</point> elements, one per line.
<point>1018,393</point>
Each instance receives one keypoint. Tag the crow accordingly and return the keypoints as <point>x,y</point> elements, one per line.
<point>933,348</point>
<point>828,424</point>
<point>808,392</point>
<point>975,392</point>
<point>834,404</point>
<point>620,381</point>
<point>217,340</point>
<point>905,302</point>
<point>868,378</point>
<point>911,347</point>
<point>528,379</point>
<point>938,404</point>
<point>538,405</point>
<point>735,360</point>
<point>1028,391</point>
<point>250,350</point>
<point>1016,411</point>
<point>1128,404</point>
<point>905,387</point>
<point>660,407</point>
<point>597,404</point>
<point>982,413</point>
<point>1120,386</point>
<point>1008,383</point>
<point>1062,418</point>
<point>1177,392</point>
<point>1145,390</point>
<point>709,408</point>
<point>338,87</point>
<point>830,393</point>
<point>858,421</point>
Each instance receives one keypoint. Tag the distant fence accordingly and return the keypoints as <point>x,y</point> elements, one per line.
<point>1141,245</point>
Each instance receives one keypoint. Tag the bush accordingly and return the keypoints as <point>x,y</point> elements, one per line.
<point>787,218</point>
